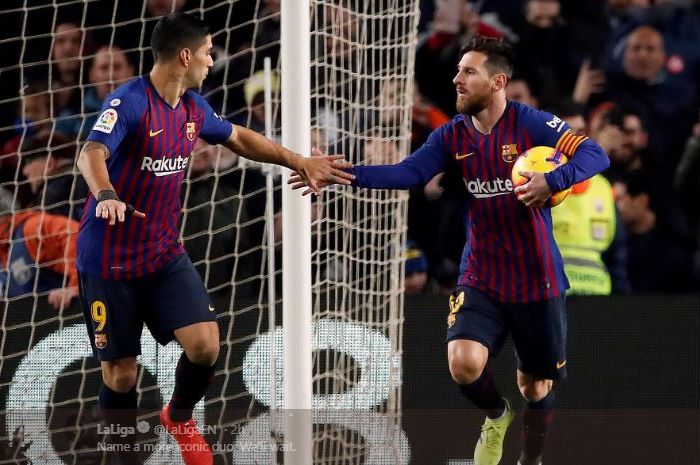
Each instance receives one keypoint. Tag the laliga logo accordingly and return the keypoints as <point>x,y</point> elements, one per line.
<point>484,189</point>
<point>164,166</point>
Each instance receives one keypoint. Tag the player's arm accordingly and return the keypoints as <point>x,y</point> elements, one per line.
<point>118,119</point>
<point>316,171</point>
<point>326,169</point>
<point>615,259</point>
<point>93,167</point>
<point>416,170</point>
<point>91,163</point>
<point>586,158</point>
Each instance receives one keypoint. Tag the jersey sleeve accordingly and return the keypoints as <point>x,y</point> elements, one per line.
<point>215,129</point>
<point>417,169</point>
<point>118,118</point>
<point>551,131</point>
<point>586,158</point>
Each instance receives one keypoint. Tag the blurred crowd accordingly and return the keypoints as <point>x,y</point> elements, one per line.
<point>625,72</point>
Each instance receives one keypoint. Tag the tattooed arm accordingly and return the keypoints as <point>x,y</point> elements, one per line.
<point>92,166</point>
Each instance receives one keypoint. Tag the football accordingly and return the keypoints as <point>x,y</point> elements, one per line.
<point>543,160</point>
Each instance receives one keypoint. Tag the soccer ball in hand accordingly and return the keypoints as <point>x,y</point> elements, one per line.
<point>542,160</point>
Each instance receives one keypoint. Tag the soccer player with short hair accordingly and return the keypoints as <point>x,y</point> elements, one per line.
<point>512,277</point>
<point>133,269</point>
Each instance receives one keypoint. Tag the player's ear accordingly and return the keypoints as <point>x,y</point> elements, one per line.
<point>499,81</point>
<point>185,56</point>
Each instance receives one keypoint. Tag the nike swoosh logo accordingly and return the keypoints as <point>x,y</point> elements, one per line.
<point>153,133</point>
<point>560,365</point>
<point>211,309</point>
<point>486,196</point>
<point>461,157</point>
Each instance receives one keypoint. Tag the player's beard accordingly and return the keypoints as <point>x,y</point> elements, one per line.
<point>474,105</point>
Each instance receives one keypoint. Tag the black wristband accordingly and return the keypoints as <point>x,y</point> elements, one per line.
<point>107,194</point>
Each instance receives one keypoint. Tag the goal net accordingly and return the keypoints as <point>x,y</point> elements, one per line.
<point>59,60</point>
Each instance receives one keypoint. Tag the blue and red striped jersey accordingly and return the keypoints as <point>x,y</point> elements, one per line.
<point>150,144</point>
<point>509,250</point>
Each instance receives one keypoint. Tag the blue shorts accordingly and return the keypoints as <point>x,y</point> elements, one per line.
<point>538,329</point>
<point>116,310</point>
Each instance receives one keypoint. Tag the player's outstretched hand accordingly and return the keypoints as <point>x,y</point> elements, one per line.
<point>61,298</point>
<point>535,192</point>
<point>320,170</point>
<point>116,210</point>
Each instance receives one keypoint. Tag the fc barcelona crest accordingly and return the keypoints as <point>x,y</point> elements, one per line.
<point>100,340</point>
<point>456,303</point>
<point>509,152</point>
<point>191,130</point>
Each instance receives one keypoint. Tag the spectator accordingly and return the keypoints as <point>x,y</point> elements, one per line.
<point>70,42</point>
<point>380,150</point>
<point>666,104</point>
<point>588,82</point>
<point>33,116</point>
<point>37,254</point>
<point>391,104</point>
<point>588,230</point>
<point>416,270</point>
<point>436,224</point>
<point>453,24</point>
<point>254,93</point>
<point>659,244</point>
<point>213,223</point>
<point>519,90</point>
<point>635,151</point>
<point>543,50</point>
<point>687,184</point>
<point>136,35</point>
<point>621,17</point>
<point>48,167</point>
<point>426,118</point>
<point>269,29</point>
<point>429,210</point>
<point>606,123</point>
<point>158,8</point>
<point>109,68</point>
<point>585,226</point>
<point>677,21</point>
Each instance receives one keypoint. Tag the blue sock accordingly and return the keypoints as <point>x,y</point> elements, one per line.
<point>537,420</point>
<point>119,410</point>
<point>483,393</point>
<point>191,383</point>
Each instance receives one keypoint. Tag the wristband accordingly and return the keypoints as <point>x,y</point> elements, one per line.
<point>107,194</point>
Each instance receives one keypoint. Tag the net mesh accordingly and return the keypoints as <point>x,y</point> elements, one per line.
<point>59,60</point>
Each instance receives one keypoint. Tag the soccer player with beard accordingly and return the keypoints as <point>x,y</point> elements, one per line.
<point>512,279</point>
<point>132,266</point>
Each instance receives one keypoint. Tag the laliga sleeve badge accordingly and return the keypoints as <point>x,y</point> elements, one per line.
<point>106,121</point>
<point>101,340</point>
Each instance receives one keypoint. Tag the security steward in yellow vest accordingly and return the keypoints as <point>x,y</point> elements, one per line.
<point>584,227</point>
